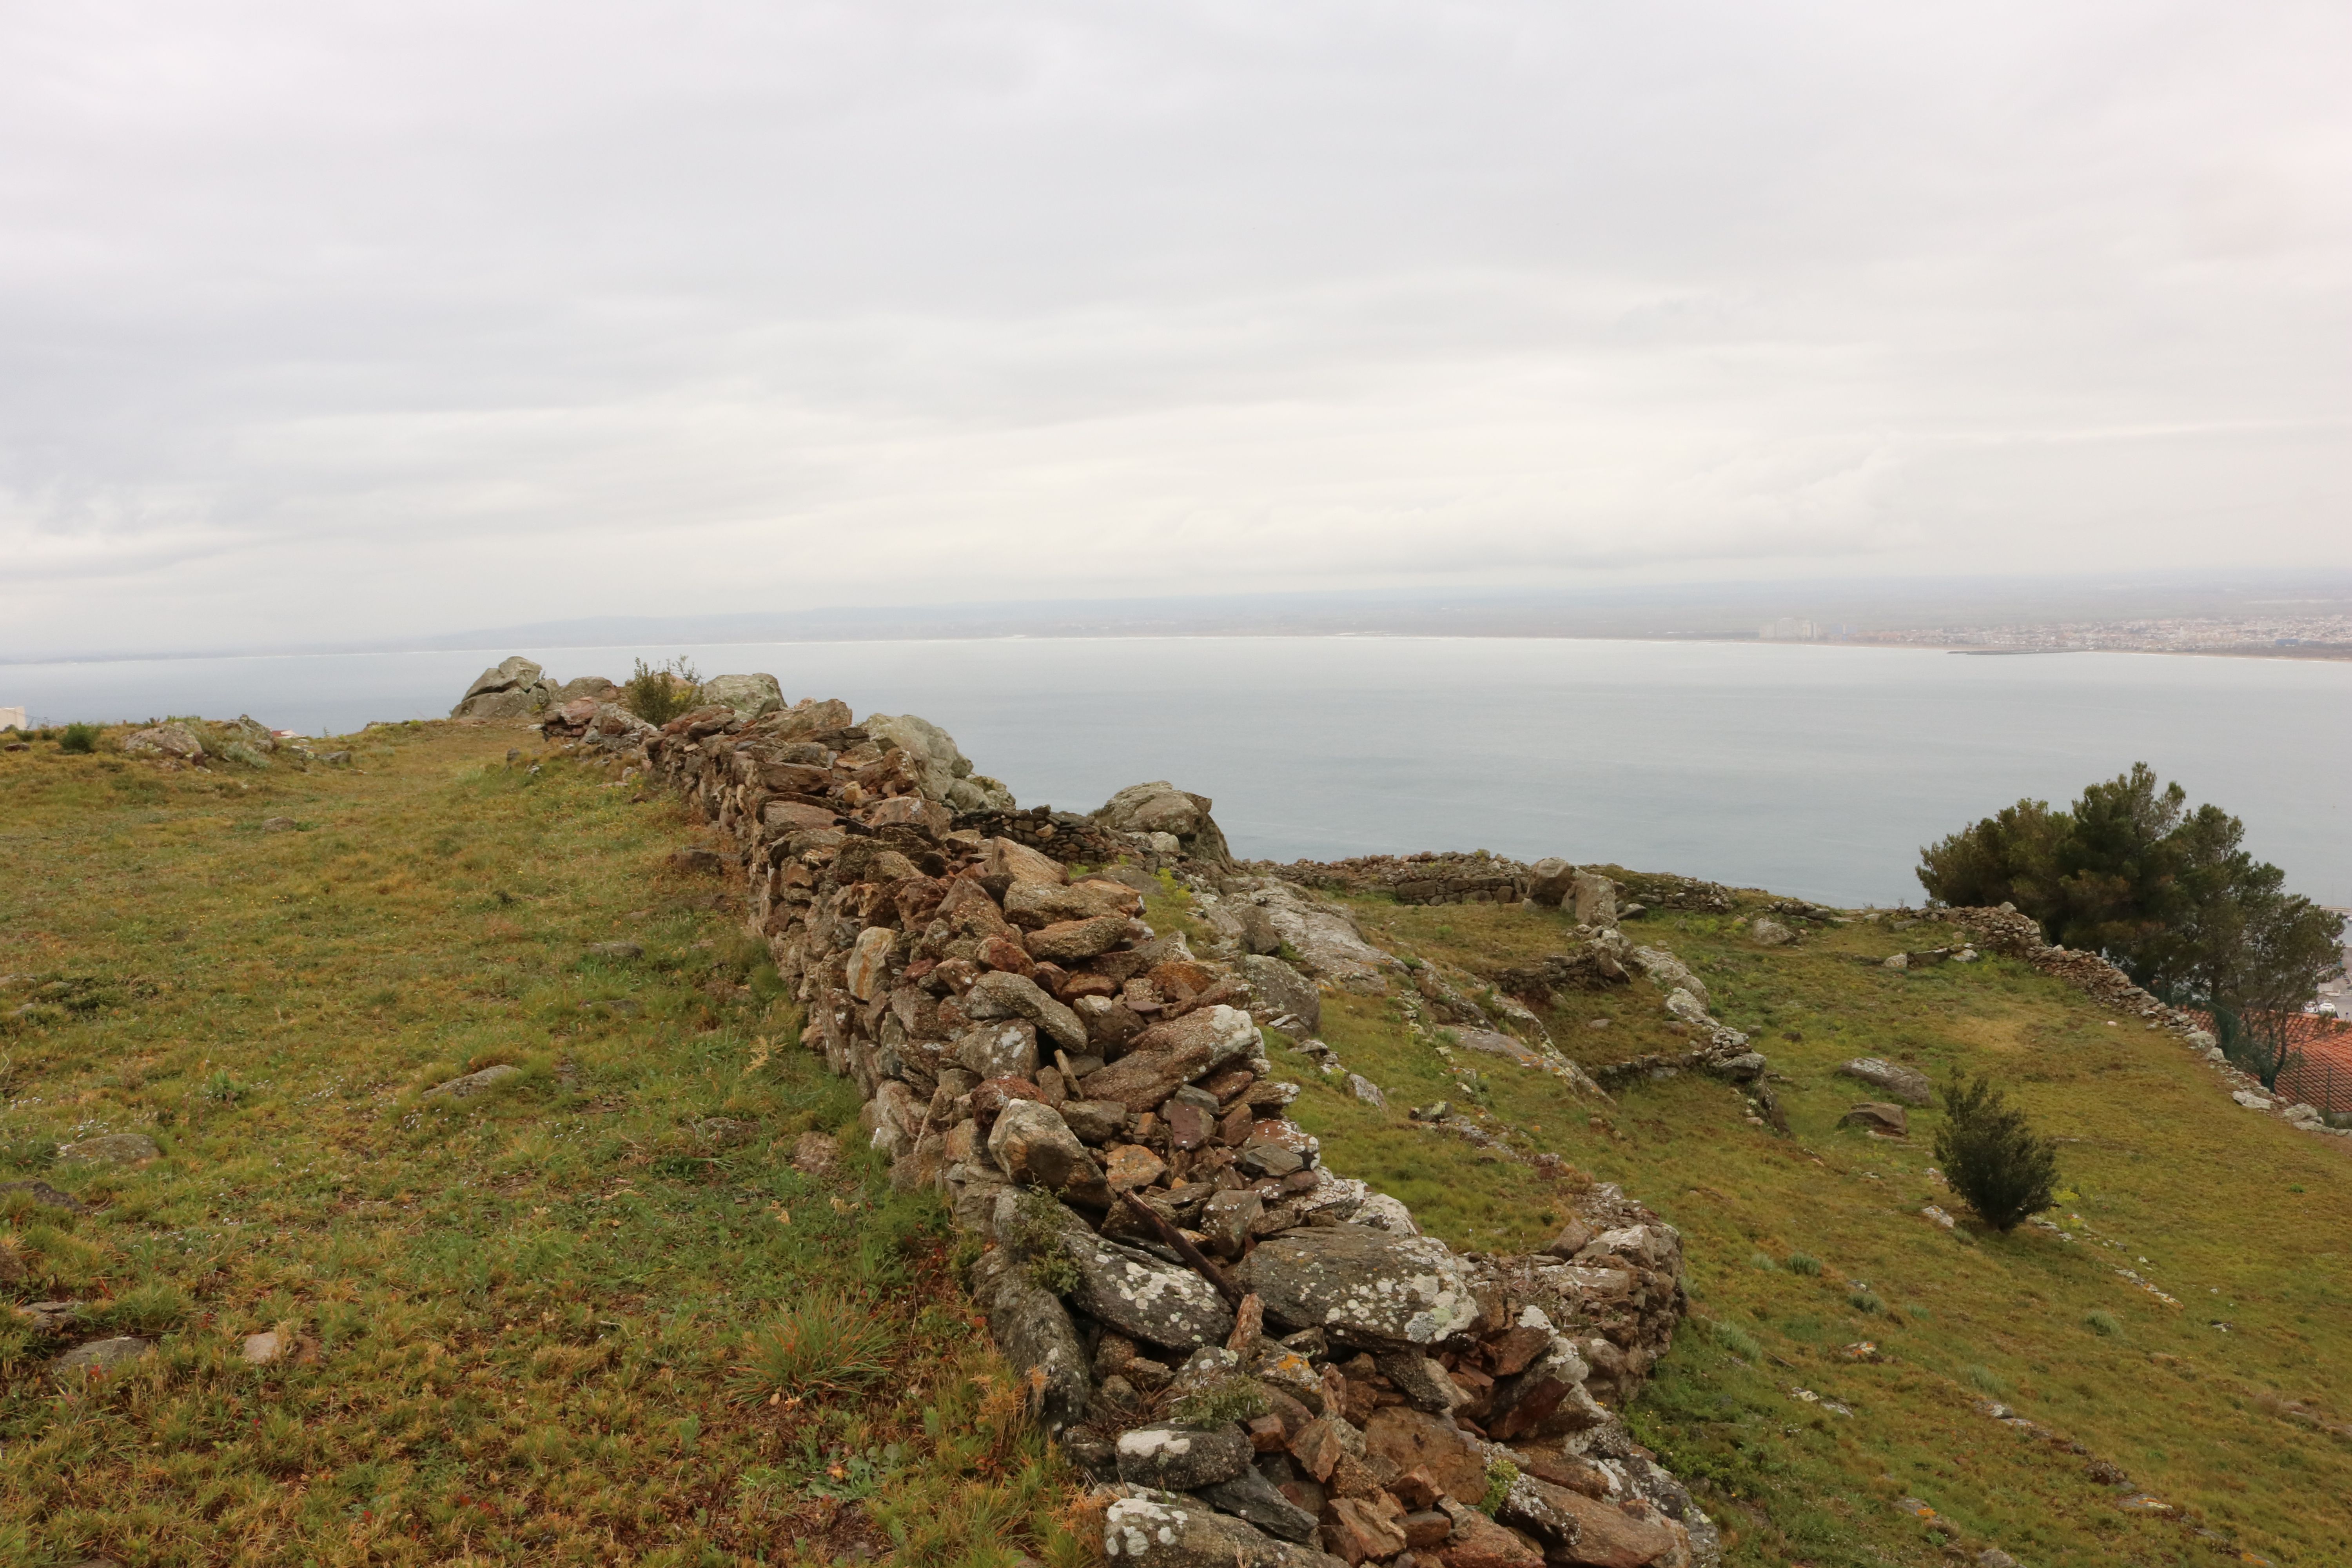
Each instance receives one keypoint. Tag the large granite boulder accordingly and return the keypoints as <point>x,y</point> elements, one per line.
<point>749,695</point>
<point>1161,807</point>
<point>939,762</point>
<point>1279,989</point>
<point>1362,1287</point>
<point>1592,899</point>
<point>1549,881</point>
<point>166,741</point>
<point>1328,945</point>
<point>1907,1084</point>
<point>507,689</point>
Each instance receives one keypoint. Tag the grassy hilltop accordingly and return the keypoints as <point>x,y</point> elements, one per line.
<point>555,1321</point>
<point>533,1309</point>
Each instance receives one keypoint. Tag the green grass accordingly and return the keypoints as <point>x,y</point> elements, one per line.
<point>2242,1428</point>
<point>570,1320</point>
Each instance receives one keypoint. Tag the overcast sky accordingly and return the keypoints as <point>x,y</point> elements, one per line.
<point>323,321</point>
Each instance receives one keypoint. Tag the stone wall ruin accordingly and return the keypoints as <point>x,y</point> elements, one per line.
<point>1257,1359</point>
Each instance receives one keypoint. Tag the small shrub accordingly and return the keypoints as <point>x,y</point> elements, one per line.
<point>1983,1380</point>
<point>1501,1476</point>
<point>2103,1324</point>
<point>79,739</point>
<point>1764,1261</point>
<point>1235,1400</point>
<point>1035,1236</point>
<point>660,694</point>
<point>1803,1263</point>
<point>824,1346</point>
<point>1735,1339</point>
<point>1992,1157</point>
<point>1863,1301</point>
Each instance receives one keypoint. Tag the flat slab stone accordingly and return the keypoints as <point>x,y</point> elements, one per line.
<point>1362,1286</point>
<point>113,1149</point>
<point>1907,1084</point>
<point>1145,1298</point>
<point>473,1083</point>
<point>97,1358</point>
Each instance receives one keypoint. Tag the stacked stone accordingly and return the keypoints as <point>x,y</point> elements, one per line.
<point>1428,878</point>
<point>1258,1361</point>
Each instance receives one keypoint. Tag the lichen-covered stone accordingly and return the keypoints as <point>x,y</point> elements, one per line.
<point>1362,1286</point>
<point>1161,1530</point>
<point>1002,993</point>
<point>1144,1297</point>
<point>1179,1460</point>
<point>1032,1328</point>
<point>1034,1146</point>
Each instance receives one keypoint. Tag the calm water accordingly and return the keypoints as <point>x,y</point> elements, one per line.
<point>1814,771</point>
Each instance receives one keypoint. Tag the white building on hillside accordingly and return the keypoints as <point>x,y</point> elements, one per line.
<point>1788,628</point>
<point>12,718</point>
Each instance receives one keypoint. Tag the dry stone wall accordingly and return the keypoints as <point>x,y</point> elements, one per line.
<point>1258,1360</point>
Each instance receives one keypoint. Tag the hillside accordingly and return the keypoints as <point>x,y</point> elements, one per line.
<point>516,1325</point>
<point>519,1318</point>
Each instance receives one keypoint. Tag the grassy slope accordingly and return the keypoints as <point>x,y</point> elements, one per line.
<point>2242,1220</point>
<point>531,1303</point>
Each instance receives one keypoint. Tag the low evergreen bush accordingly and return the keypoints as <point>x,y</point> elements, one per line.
<point>82,739</point>
<point>1993,1158</point>
<point>658,695</point>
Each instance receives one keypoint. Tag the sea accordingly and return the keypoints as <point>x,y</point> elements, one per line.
<point>1817,771</point>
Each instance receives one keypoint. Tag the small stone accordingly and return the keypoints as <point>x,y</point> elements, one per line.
<point>1355,1532</point>
<point>1270,1159</point>
<point>1131,1167</point>
<point>277,824</point>
<point>868,969</point>
<point>473,1083</point>
<point>261,1349</point>
<point>1318,1447</point>
<point>95,1360</point>
<point>1033,1145</point>
<point>614,952</point>
<point>111,1149</point>
<point>1226,1219</point>
<point>1477,1542</point>
<point>1573,1237</point>
<point>1885,1119</point>
<point>1095,1121</point>
<point>1251,1496</point>
<point>1425,1529</point>
<point>1365,1090</point>
<point>1180,1460</point>
<point>1767,932</point>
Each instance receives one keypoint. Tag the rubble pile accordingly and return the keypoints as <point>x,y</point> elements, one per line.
<point>1260,1361</point>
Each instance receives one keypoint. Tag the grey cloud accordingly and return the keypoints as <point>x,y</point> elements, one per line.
<point>364,321</point>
